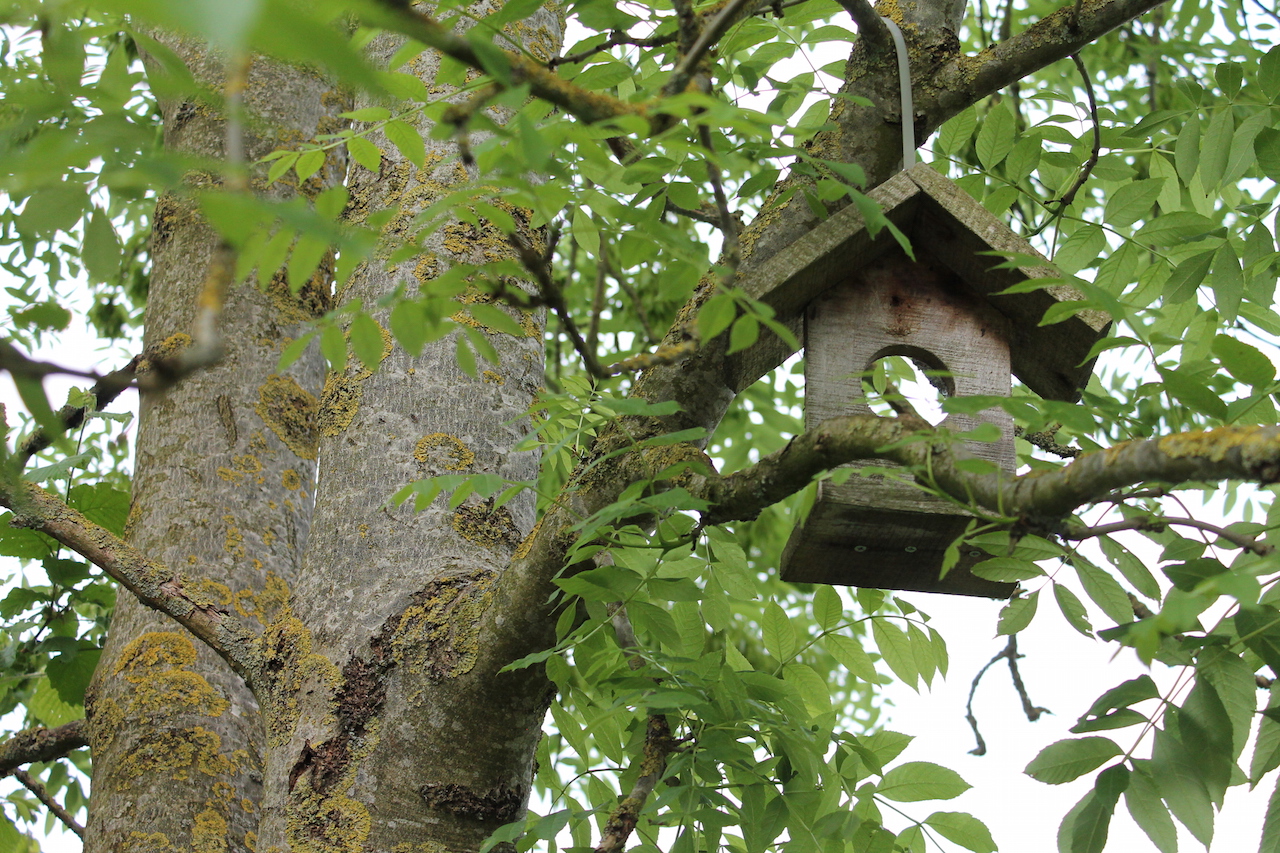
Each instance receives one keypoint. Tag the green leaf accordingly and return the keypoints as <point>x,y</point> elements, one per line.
<point>1082,249</point>
<point>1089,830</point>
<point>1177,772</point>
<point>895,648</point>
<point>71,672</point>
<point>716,315</point>
<point>828,610</point>
<point>101,250</point>
<point>1266,147</point>
<point>365,153</point>
<point>1269,73</point>
<point>921,780</point>
<point>308,163</point>
<point>963,829</point>
<point>1259,628</point>
<point>1228,282</point>
<point>1017,614</point>
<point>850,654</point>
<point>1132,202</point>
<point>1070,759</point>
<point>585,232</point>
<point>333,345</point>
<point>1104,590</point>
<point>1186,151</point>
<point>1144,804</point>
<point>366,341</point>
<point>780,636</point>
<point>1072,609</point>
<point>1271,824</point>
<point>1007,570</point>
<point>995,139</point>
<point>408,141</point>
<point>1234,684</point>
<point>1266,749</point>
<point>1187,277</point>
<point>49,708</point>
<point>1215,147</point>
<point>745,332</point>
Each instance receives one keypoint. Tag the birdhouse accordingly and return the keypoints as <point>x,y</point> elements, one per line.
<point>864,299</point>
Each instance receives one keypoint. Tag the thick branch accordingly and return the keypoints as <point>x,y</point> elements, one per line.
<point>155,585</point>
<point>542,82</point>
<point>966,79</point>
<point>1243,453</point>
<point>33,745</point>
<point>870,25</point>
<point>658,744</point>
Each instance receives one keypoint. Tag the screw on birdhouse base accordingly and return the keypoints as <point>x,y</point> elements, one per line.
<point>910,549</point>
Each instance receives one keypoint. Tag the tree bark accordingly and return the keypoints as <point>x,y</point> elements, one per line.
<point>222,493</point>
<point>388,725</point>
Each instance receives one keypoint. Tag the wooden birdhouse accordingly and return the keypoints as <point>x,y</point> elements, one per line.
<point>864,299</point>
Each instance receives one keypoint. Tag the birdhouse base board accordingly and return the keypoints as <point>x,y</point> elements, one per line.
<point>884,534</point>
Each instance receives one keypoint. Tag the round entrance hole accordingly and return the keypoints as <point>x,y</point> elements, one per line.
<point>916,381</point>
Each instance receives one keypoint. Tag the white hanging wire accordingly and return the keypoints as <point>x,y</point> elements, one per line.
<point>904,87</point>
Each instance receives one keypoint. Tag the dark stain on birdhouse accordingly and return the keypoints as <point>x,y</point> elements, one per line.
<point>857,298</point>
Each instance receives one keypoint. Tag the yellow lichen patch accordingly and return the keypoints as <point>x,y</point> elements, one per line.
<point>438,634</point>
<point>266,604</point>
<point>486,525</point>
<point>163,351</point>
<point>248,463</point>
<point>251,840</point>
<point>229,475</point>
<point>154,649</point>
<point>1213,445</point>
<point>177,754</point>
<point>290,411</point>
<point>440,450</point>
<point>492,377</point>
<point>338,403</point>
<point>149,842</point>
<point>287,663</point>
<point>428,267</point>
<point>526,544</point>
<point>419,847</point>
<point>312,299</point>
<point>208,593</point>
<point>234,542</point>
<point>364,530</point>
<point>325,823</point>
<point>209,832</point>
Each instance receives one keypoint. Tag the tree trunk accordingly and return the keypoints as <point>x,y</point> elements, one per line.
<point>388,724</point>
<point>223,487</point>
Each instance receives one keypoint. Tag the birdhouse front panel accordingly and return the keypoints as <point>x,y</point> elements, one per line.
<point>877,530</point>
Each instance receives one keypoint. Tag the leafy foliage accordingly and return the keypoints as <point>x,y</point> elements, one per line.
<point>1159,206</point>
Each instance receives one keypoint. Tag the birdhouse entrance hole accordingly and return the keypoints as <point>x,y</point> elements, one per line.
<point>908,375</point>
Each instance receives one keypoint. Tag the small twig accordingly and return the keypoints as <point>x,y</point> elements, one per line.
<point>1263,682</point>
<point>617,38</point>
<point>1135,495</point>
<point>597,301</point>
<point>553,298</point>
<point>1033,712</point>
<point>1086,170</point>
<point>1248,543</point>
<point>1044,441</point>
<point>658,745</point>
<point>34,785</point>
<point>1271,12</point>
<point>870,25</point>
<point>728,226</point>
<point>706,214</point>
<point>641,314</point>
<point>103,393</point>
<point>711,33</point>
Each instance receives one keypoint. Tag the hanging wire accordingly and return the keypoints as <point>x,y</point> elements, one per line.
<point>904,86</point>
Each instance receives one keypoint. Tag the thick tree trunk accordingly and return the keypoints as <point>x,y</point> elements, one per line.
<point>223,488</point>
<point>389,727</point>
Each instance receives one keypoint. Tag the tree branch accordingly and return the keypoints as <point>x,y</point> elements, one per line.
<point>965,79</point>
<point>658,744</point>
<point>1244,453</point>
<point>154,584</point>
<point>870,25</point>
<point>1247,543</point>
<point>33,745</point>
<point>34,785</point>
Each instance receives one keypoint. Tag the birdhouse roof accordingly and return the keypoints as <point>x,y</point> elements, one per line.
<point>947,225</point>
